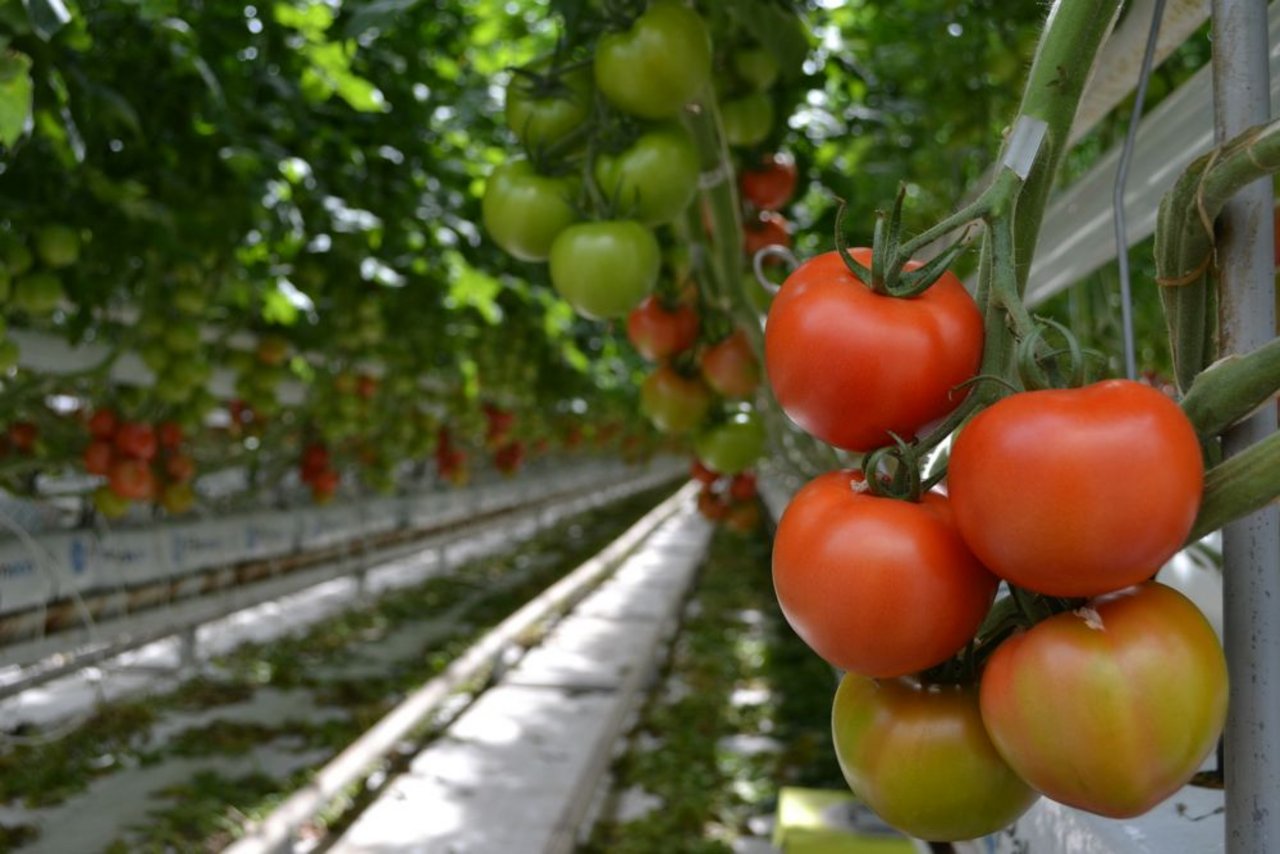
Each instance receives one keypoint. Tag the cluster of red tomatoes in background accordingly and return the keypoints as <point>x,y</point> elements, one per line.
<point>732,501</point>
<point>141,462</point>
<point>1111,691</point>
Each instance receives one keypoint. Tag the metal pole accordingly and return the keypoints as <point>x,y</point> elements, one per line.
<point>1251,546</point>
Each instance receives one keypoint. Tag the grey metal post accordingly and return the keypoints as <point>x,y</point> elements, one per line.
<point>1251,546</point>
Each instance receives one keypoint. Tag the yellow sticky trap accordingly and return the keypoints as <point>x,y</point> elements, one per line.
<point>821,821</point>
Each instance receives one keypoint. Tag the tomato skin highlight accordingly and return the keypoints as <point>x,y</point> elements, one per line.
<point>1114,711</point>
<point>877,586</point>
<point>920,757</point>
<point>850,366</point>
<point>657,66</point>
<point>1077,492</point>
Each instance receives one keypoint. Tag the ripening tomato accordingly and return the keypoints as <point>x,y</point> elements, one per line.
<point>657,66</point>
<point>658,332</point>
<point>136,439</point>
<point>1077,492</point>
<point>656,178</point>
<point>177,498</point>
<point>712,506</point>
<point>729,366</point>
<point>604,269</point>
<point>920,757</point>
<point>770,184</point>
<point>169,434</point>
<point>98,456</point>
<point>132,478</point>
<point>179,468</point>
<point>731,446</point>
<point>767,229</point>
<point>1111,708</point>
<point>742,516</point>
<point>674,403</point>
<point>110,505</point>
<point>524,211</point>
<point>877,586</point>
<point>542,109</point>
<point>851,366</point>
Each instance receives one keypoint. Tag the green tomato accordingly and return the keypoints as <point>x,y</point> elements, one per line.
<point>756,66</point>
<point>604,269</point>
<point>58,245</point>
<point>922,760</point>
<point>733,446</point>
<point>657,66</point>
<point>672,402</point>
<point>747,120</point>
<point>15,256</point>
<point>8,355</point>
<point>38,293</point>
<point>656,178</point>
<point>524,211</point>
<point>542,112</point>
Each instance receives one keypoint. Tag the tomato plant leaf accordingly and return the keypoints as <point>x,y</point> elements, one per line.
<point>15,97</point>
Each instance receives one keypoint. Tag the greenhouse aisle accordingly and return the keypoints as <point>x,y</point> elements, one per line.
<point>518,771</point>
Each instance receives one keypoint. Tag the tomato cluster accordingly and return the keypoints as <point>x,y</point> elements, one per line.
<point>728,499</point>
<point>140,461</point>
<point>622,128</point>
<point>1101,689</point>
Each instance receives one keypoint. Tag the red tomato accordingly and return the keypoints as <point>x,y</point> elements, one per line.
<point>132,478</point>
<point>23,435</point>
<point>1112,708</point>
<point>102,424</point>
<point>699,472</point>
<point>180,468</point>
<point>169,433</point>
<point>98,457</point>
<point>658,332</point>
<point>743,487</point>
<point>674,403</point>
<point>366,386</point>
<point>1077,492</point>
<point>920,757</point>
<point>135,439</point>
<point>876,586</point>
<point>771,184</point>
<point>711,505</point>
<point>742,516</point>
<point>769,229</point>
<point>730,367</point>
<point>850,366</point>
<point>509,457</point>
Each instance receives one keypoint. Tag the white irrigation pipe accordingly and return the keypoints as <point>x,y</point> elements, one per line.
<point>276,831</point>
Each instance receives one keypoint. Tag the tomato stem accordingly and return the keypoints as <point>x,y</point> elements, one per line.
<point>1232,388</point>
<point>1246,482</point>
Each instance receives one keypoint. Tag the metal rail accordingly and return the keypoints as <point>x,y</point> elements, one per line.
<point>1251,546</point>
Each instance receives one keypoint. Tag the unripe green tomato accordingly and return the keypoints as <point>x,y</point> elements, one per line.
<point>756,66</point>
<point>8,355</point>
<point>58,246</point>
<point>747,120</point>
<point>524,212</point>
<point>541,115</point>
<point>654,179</point>
<point>604,269</point>
<point>653,69</point>
<point>38,293</point>
<point>16,257</point>
<point>733,446</point>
